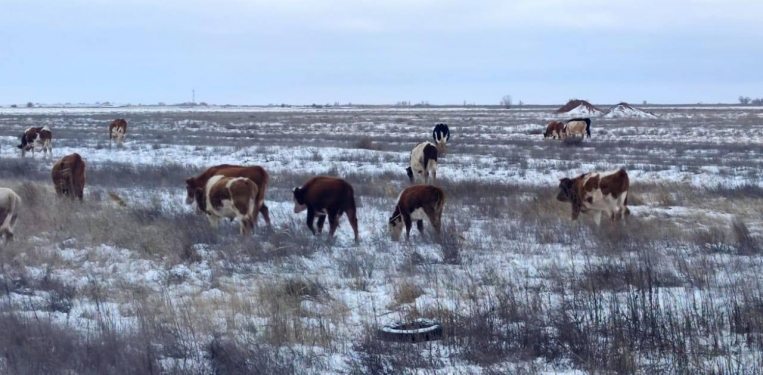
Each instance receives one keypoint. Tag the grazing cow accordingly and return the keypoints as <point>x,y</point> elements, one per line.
<point>229,197</point>
<point>580,126</point>
<point>69,176</point>
<point>118,130</point>
<point>415,203</point>
<point>10,204</point>
<point>554,130</point>
<point>326,196</point>
<point>37,138</point>
<point>597,192</point>
<point>423,160</point>
<point>441,136</point>
<point>257,174</point>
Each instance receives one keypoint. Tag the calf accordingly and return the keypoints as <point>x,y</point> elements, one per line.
<point>69,176</point>
<point>580,126</point>
<point>554,130</point>
<point>229,197</point>
<point>597,192</point>
<point>414,203</point>
<point>441,136</point>
<point>326,196</point>
<point>118,130</point>
<point>37,138</point>
<point>257,174</point>
<point>423,160</point>
<point>10,204</point>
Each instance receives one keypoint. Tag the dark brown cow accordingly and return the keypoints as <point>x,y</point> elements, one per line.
<point>69,176</point>
<point>118,130</point>
<point>39,137</point>
<point>554,130</point>
<point>415,203</point>
<point>597,192</point>
<point>326,196</point>
<point>229,197</point>
<point>257,174</point>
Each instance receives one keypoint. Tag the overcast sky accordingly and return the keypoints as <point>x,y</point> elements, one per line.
<point>380,51</point>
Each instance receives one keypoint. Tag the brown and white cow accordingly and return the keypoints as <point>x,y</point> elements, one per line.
<point>597,193</point>
<point>554,130</point>
<point>37,138</point>
<point>118,130</point>
<point>580,126</point>
<point>416,203</point>
<point>423,161</point>
<point>69,176</point>
<point>326,197</point>
<point>229,197</point>
<point>257,174</point>
<point>10,204</point>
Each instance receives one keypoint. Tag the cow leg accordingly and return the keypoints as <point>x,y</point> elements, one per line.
<point>321,220</point>
<point>408,225</point>
<point>434,219</point>
<point>310,219</point>
<point>420,226</point>
<point>352,217</point>
<point>597,217</point>
<point>265,213</point>
<point>333,222</point>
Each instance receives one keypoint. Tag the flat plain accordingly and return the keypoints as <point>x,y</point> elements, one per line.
<point>517,286</point>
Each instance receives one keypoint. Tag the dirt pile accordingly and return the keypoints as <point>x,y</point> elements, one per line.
<point>579,108</point>
<point>624,110</point>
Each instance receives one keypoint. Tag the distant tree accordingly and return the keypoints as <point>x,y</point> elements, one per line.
<point>744,100</point>
<point>30,105</point>
<point>14,106</point>
<point>758,101</point>
<point>506,101</point>
<point>161,104</point>
<point>644,102</point>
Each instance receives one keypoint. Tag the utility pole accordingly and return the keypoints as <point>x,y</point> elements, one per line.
<point>193,96</point>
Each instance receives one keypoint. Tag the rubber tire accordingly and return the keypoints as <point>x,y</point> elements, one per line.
<point>393,332</point>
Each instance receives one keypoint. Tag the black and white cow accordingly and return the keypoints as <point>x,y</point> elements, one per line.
<point>37,138</point>
<point>423,161</point>
<point>441,135</point>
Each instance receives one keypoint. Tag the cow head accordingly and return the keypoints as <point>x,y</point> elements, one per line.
<point>395,226</point>
<point>409,171</point>
<point>299,200</point>
<point>565,190</point>
<point>190,189</point>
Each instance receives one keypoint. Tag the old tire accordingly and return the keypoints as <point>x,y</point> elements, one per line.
<point>420,330</point>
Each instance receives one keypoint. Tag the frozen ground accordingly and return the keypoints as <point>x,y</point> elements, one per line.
<point>516,285</point>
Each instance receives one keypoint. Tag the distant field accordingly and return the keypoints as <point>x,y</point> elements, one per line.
<point>517,286</point>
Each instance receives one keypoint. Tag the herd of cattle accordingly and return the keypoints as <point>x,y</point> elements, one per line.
<point>238,192</point>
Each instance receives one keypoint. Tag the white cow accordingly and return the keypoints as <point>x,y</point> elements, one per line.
<point>423,161</point>
<point>10,204</point>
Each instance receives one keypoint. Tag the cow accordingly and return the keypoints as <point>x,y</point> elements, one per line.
<point>423,160</point>
<point>10,204</point>
<point>37,137</point>
<point>118,130</point>
<point>596,193</point>
<point>580,126</point>
<point>554,130</point>
<point>415,203</point>
<point>326,196</point>
<point>441,136</point>
<point>229,197</point>
<point>257,174</point>
<point>69,176</point>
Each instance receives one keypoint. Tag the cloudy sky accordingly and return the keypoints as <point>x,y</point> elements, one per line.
<point>380,51</point>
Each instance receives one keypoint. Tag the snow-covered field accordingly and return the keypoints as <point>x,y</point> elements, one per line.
<point>517,287</point>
